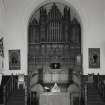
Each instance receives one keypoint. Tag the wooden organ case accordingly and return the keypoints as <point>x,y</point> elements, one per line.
<point>54,42</point>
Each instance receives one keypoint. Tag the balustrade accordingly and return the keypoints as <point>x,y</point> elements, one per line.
<point>99,83</point>
<point>9,88</point>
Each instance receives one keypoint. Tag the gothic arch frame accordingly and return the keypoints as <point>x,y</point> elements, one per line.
<point>72,4</point>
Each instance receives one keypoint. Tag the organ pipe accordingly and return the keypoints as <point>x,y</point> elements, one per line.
<point>53,26</point>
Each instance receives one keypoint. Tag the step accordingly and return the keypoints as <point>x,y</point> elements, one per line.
<point>92,93</point>
<point>96,103</point>
<point>18,98</point>
<point>93,96</point>
<point>19,103</point>
<point>14,102</point>
<point>18,95</point>
<point>21,99</point>
<point>94,99</point>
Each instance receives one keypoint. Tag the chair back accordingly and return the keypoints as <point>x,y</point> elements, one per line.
<point>21,78</point>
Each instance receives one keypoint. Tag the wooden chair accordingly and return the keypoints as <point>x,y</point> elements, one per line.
<point>90,78</point>
<point>21,81</point>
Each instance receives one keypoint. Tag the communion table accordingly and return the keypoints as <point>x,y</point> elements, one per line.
<point>54,98</point>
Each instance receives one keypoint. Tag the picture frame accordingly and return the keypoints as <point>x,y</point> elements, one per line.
<point>14,59</point>
<point>94,57</point>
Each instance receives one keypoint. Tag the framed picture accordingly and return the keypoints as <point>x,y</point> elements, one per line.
<point>94,57</point>
<point>14,59</point>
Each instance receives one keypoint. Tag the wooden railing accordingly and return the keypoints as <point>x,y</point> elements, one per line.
<point>9,88</point>
<point>99,83</point>
<point>85,91</point>
<point>27,90</point>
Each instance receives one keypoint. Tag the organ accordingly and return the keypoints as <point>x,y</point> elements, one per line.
<point>54,38</point>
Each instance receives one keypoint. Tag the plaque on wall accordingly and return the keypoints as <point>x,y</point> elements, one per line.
<point>14,59</point>
<point>94,57</point>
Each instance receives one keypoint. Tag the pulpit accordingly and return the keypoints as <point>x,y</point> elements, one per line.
<point>54,98</point>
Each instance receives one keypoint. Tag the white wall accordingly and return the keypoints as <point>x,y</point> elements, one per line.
<point>1,32</point>
<point>16,14</point>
